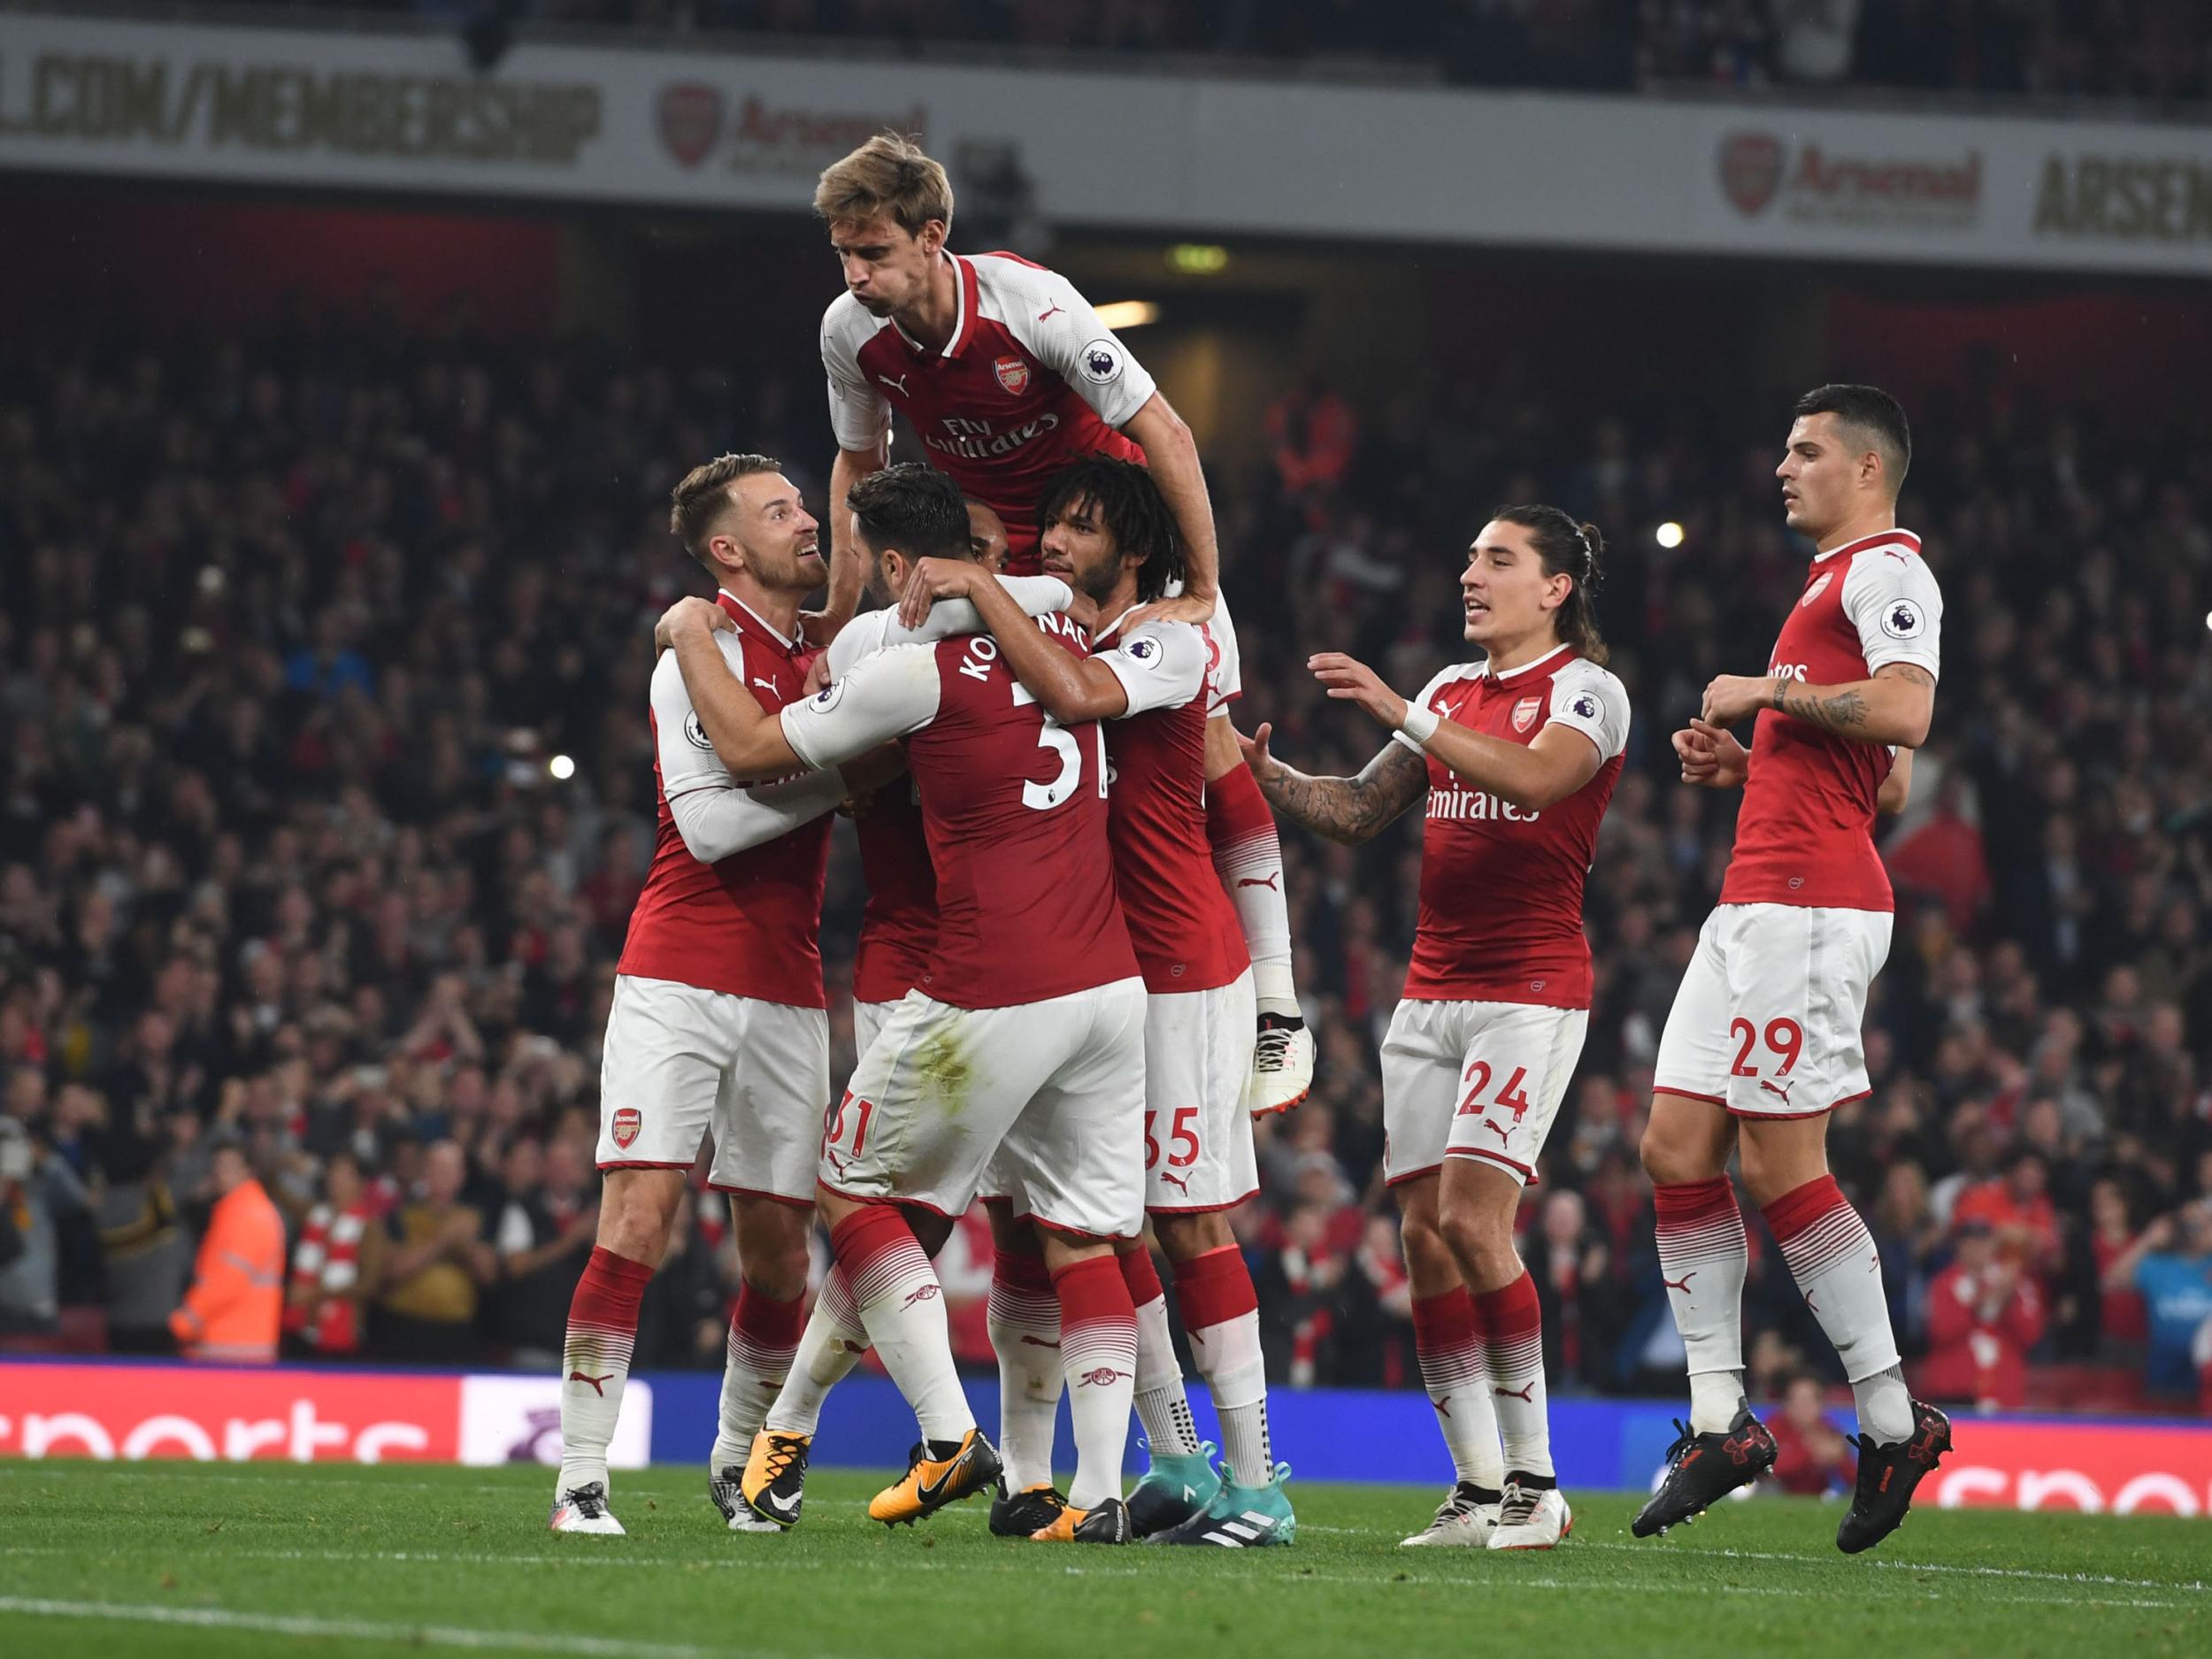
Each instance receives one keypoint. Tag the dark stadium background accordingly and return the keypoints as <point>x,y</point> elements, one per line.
<point>330,520</point>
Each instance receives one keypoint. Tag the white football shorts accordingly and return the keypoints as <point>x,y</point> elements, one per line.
<point>1198,1150</point>
<point>1478,1080</point>
<point>679,1061</point>
<point>1049,1096</point>
<point>1766,1023</point>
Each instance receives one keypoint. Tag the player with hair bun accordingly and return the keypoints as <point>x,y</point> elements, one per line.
<point>1517,755</point>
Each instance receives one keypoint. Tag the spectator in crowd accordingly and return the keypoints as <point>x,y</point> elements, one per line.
<point>1984,1314</point>
<point>335,1262</point>
<point>2171,1264</point>
<point>1813,1457</point>
<point>40,1195</point>
<point>436,1264</point>
<point>544,1237</point>
<point>234,1309</point>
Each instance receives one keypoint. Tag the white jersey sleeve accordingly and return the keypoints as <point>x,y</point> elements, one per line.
<point>1225,681</point>
<point>713,813</point>
<point>886,696</point>
<point>1062,331</point>
<point>1593,702</point>
<point>859,415</point>
<point>1444,677</point>
<point>1037,596</point>
<point>1160,664</point>
<point>1892,597</point>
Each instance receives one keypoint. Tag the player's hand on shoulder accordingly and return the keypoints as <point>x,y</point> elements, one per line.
<point>1253,749</point>
<point>818,628</point>
<point>1349,679</point>
<point>1193,608</point>
<point>818,674</point>
<point>1730,697</point>
<point>933,579</point>
<point>691,611</point>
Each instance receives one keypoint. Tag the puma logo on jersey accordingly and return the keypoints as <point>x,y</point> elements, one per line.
<point>1260,882</point>
<point>1037,1342</point>
<point>1782,1089</point>
<point>1498,1130</point>
<point>767,684</point>
<point>1681,1284</point>
<point>1181,1182</point>
<point>597,1383</point>
<point>1055,310</point>
<point>898,386</point>
<point>1525,1393</point>
<point>1443,1406</point>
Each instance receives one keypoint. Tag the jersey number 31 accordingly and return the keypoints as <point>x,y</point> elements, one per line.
<point>1042,797</point>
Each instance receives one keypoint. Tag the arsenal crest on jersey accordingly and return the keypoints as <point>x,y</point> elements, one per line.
<point>1013,374</point>
<point>1525,712</point>
<point>627,1121</point>
<point>1820,586</point>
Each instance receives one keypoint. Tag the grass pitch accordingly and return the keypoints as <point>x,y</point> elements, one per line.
<point>267,1559</point>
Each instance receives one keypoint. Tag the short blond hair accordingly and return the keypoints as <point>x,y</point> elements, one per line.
<point>887,174</point>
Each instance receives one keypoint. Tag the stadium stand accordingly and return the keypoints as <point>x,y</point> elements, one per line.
<point>297,620</point>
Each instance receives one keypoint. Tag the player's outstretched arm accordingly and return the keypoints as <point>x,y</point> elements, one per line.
<point>1546,771</point>
<point>1348,811</point>
<point>1893,707</point>
<point>747,740</point>
<point>1172,454</point>
<point>1070,688</point>
<point>845,574</point>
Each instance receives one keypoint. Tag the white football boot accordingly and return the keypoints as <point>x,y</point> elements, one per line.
<point>1467,1517</point>
<point>1282,1068</point>
<point>1531,1518</point>
<point>584,1509</point>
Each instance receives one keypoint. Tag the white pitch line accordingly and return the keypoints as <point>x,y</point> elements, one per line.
<point>364,1630</point>
<point>2193,1586</point>
<point>1501,1582</point>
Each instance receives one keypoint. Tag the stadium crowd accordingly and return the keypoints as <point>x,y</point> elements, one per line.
<point>327,788</point>
<point>2147,50</point>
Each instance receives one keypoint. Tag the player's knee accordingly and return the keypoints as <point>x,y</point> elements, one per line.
<point>1428,1255</point>
<point>771,1245</point>
<point>635,1222</point>
<point>1186,1238</point>
<point>1481,1242</point>
<point>1670,1160</point>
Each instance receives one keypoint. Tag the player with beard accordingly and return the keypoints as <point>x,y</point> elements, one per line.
<point>765,1479</point>
<point>1763,1040</point>
<point>718,1023</point>
<point>1108,531</point>
<point>1022,1044</point>
<point>1517,755</point>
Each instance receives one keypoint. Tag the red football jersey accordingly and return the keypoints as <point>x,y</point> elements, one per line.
<point>1185,930</point>
<point>749,925</point>
<point>1500,908</point>
<point>1805,829</point>
<point>898,925</point>
<point>1014,806</point>
<point>1030,382</point>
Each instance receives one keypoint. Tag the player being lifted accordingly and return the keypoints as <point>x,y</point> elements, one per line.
<point>1109,534</point>
<point>1022,1044</point>
<point>1517,755</point>
<point>718,1016</point>
<point>1006,375</point>
<point>1763,1042</point>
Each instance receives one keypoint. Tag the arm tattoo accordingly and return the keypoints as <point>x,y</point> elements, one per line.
<point>1844,712</point>
<point>1911,671</point>
<point>1352,810</point>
